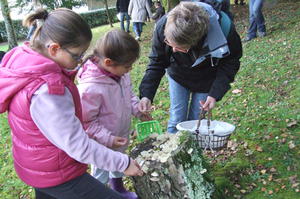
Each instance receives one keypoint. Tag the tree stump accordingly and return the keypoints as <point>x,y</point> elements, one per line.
<point>173,167</point>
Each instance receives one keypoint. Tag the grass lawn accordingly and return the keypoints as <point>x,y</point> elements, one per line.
<point>262,161</point>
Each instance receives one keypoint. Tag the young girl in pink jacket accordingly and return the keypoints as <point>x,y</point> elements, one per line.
<point>108,101</point>
<point>50,147</point>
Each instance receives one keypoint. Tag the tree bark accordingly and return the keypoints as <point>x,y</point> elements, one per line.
<point>169,4</point>
<point>107,13</point>
<point>173,167</point>
<point>11,37</point>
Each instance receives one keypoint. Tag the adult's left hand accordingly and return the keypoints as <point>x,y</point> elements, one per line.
<point>208,104</point>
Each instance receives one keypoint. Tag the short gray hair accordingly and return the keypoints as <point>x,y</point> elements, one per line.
<point>186,24</point>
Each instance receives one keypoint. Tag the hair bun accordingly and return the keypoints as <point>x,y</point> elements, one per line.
<point>41,13</point>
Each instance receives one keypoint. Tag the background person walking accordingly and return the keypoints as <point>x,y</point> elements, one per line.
<point>138,10</point>
<point>122,8</point>
<point>257,25</point>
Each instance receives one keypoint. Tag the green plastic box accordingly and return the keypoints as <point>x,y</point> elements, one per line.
<point>144,129</point>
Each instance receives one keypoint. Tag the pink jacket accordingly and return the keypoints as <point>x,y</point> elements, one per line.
<point>37,161</point>
<point>107,105</point>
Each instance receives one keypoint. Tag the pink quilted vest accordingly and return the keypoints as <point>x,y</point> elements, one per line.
<point>37,161</point>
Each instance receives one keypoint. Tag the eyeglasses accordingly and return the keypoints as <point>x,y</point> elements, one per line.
<point>180,49</point>
<point>77,58</point>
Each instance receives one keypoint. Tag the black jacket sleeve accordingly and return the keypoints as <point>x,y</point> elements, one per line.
<point>159,61</point>
<point>227,67</point>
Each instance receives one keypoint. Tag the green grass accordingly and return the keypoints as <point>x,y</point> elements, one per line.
<point>264,164</point>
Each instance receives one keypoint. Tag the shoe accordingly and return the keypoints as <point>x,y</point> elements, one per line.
<point>261,34</point>
<point>247,39</point>
<point>117,185</point>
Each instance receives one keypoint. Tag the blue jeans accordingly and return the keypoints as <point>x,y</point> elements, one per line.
<point>256,20</point>
<point>185,104</point>
<point>138,28</point>
<point>82,187</point>
<point>123,16</point>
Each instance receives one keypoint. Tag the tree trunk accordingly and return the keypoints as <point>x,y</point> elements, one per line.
<point>169,4</point>
<point>107,13</point>
<point>173,168</point>
<point>11,37</point>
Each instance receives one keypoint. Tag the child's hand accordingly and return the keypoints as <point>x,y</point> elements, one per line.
<point>145,105</point>
<point>134,169</point>
<point>119,141</point>
<point>146,117</point>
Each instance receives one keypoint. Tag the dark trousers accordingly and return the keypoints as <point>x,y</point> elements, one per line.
<point>82,187</point>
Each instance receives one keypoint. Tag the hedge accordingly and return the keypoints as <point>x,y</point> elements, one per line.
<point>93,18</point>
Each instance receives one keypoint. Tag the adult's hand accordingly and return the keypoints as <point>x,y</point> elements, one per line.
<point>144,105</point>
<point>134,169</point>
<point>208,104</point>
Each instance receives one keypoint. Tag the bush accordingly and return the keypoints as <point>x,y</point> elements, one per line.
<point>93,18</point>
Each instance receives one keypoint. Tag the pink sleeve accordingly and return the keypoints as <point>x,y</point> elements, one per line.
<point>134,102</point>
<point>91,105</point>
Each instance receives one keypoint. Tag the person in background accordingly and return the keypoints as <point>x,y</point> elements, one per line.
<point>50,147</point>
<point>31,30</point>
<point>257,25</point>
<point>108,100</point>
<point>200,61</point>
<point>160,11</point>
<point>138,10</point>
<point>122,8</point>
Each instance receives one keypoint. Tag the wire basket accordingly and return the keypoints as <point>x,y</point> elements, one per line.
<point>212,141</point>
<point>210,134</point>
<point>144,129</point>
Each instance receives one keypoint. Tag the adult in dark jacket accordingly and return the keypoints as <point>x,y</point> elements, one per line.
<point>122,8</point>
<point>200,61</point>
<point>160,11</point>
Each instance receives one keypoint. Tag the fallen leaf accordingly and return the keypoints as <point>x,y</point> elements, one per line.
<point>291,145</point>
<point>270,192</point>
<point>263,189</point>
<point>259,149</point>
<point>291,124</point>
<point>270,177</point>
<point>273,170</point>
<point>235,91</point>
<point>263,171</point>
<point>243,191</point>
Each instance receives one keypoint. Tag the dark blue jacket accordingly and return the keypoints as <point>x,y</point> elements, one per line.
<point>212,75</point>
<point>122,5</point>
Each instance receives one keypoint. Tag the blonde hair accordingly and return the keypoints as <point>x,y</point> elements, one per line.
<point>186,24</point>
<point>118,46</point>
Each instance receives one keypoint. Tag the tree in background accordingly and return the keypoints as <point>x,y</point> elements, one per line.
<point>11,37</point>
<point>169,4</point>
<point>109,17</point>
<point>50,4</point>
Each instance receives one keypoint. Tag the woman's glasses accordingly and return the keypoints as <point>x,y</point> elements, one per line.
<point>179,49</point>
